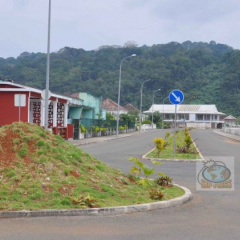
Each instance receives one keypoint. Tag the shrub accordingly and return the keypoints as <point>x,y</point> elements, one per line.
<point>147,121</point>
<point>82,128</point>
<point>122,128</point>
<point>188,141</point>
<point>167,135</point>
<point>156,194</point>
<point>159,145</point>
<point>164,181</point>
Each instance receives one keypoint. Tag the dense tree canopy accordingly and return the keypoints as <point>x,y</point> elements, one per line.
<point>208,73</point>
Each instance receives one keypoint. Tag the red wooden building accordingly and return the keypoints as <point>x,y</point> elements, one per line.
<point>26,104</point>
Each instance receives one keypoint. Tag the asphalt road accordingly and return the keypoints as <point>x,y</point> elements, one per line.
<point>211,215</point>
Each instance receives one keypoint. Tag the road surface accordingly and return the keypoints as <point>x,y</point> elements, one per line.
<point>211,215</point>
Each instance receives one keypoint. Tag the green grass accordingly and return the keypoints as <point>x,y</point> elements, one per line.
<point>168,151</point>
<point>53,172</point>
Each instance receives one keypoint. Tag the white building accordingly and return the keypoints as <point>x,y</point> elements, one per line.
<point>196,116</point>
<point>230,121</point>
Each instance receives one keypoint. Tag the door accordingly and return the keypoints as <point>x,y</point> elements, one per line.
<point>75,129</point>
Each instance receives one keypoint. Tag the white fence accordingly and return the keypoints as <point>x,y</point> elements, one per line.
<point>234,131</point>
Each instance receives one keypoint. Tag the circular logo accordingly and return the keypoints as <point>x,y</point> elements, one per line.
<point>216,173</point>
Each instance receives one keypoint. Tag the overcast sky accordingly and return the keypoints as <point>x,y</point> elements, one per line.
<point>89,24</point>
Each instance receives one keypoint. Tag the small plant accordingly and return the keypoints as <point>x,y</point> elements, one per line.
<point>83,201</point>
<point>144,169</point>
<point>186,131</point>
<point>122,128</point>
<point>164,181</point>
<point>82,128</point>
<point>159,145</point>
<point>188,141</point>
<point>156,194</point>
<point>167,135</point>
<point>96,129</point>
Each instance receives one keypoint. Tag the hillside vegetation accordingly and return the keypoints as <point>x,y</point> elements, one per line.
<point>208,73</point>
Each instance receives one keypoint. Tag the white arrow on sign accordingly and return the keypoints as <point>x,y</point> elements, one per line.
<point>176,97</point>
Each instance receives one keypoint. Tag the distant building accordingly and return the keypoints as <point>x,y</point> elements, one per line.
<point>230,121</point>
<point>112,107</point>
<point>90,107</point>
<point>196,116</point>
<point>130,107</point>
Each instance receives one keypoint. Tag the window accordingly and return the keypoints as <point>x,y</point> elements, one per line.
<point>207,117</point>
<point>199,117</point>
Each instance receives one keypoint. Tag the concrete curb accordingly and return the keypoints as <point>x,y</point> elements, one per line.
<point>227,135</point>
<point>103,211</point>
<point>102,139</point>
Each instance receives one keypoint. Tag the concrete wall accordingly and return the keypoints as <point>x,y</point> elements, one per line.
<point>199,125</point>
<point>234,131</point>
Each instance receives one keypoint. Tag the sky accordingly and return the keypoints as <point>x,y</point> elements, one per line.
<point>89,24</point>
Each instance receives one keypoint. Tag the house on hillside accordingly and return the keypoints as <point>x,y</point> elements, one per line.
<point>230,121</point>
<point>196,116</point>
<point>112,107</point>
<point>27,104</point>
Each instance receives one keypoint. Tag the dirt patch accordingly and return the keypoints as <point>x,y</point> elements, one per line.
<point>75,174</point>
<point>10,145</point>
<point>232,141</point>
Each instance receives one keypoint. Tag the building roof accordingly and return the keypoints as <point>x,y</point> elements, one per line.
<point>110,105</point>
<point>170,108</point>
<point>230,117</point>
<point>130,107</point>
<point>9,86</point>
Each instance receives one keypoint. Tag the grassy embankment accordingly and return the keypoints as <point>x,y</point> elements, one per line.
<point>41,171</point>
<point>168,151</point>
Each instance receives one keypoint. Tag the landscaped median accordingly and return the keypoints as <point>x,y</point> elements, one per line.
<point>185,148</point>
<point>40,171</point>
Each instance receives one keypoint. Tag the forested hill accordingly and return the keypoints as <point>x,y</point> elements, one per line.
<point>208,73</point>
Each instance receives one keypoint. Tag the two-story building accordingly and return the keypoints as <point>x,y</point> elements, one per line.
<point>196,116</point>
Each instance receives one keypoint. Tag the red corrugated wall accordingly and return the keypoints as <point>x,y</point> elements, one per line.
<point>8,112</point>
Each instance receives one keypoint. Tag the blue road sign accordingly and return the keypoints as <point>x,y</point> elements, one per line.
<point>176,97</point>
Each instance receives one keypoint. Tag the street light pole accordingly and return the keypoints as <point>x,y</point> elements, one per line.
<point>140,124</point>
<point>153,104</point>
<point>119,90</point>
<point>163,110</point>
<point>48,68</point>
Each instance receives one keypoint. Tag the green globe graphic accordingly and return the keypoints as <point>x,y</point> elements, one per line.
<point>216,173</point>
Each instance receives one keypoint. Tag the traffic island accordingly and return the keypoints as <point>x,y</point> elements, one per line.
<point>41,171</point>
<point>103,211</point>
<point>186,149</point>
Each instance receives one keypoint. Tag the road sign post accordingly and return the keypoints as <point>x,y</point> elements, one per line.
<point>175,97</point>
